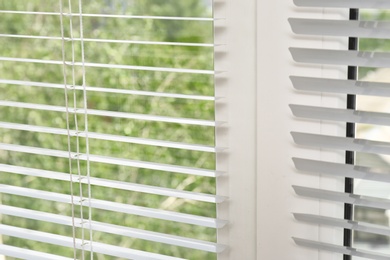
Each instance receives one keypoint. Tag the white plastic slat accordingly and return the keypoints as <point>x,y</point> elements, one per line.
<point>375,4</point>
<point>164,119</point>
<point>342,115</point>
<point>108,66</point>
<point>352,87</point>
<point>64,241</point>
<point>116,207</point>
<point>109,137</point>
<point>113,229</point>
<point>340,249</point>
<point>110,160</point>
<point>341,57</point>
<point>107,90</point>
<point>342,170</point>
<point>343,223</point>
<point>102,15</point>
<point>114,184</point>
<point>40,37</point>
<point>22,253</point>
<point>342,143</point>
<point>345,28</point>
<point>342,197</point>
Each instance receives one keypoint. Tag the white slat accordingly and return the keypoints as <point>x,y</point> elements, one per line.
<point>113,229</point>
<point>109,137</point>
<point>40,37</point>
<point>342,170</point>
<point>353,87</point>
<point>114,184</point>
<point>342,143</point>
<point>108,66</point>
<point>342,197</point>
<point>343,223</point>
<point>23,253</point>
<point>376,4</point>
<point>145,117</point>
<point>341,57</point>
<point>68,242</point>
<point>345,28</point>
<point>102,15</point>
<point>116,207</point>
<point>342,115</point>
<point>110,160</point>
<point>107,90</point>
<point>340,249</point>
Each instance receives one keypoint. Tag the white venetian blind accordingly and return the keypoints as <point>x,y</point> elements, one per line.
<point>372,59</point>
<point>107,130</point>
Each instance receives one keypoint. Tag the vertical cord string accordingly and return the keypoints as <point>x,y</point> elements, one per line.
<point>68,130</point>
<point>86,125</point>
<point>77,131</point>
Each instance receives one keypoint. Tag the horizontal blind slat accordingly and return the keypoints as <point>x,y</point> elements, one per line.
<point>23,253</point>
<point>342,115</point>
<point>113,229</point>
<point>107,90</point>
<point>342,170</point>
<point>353,87</point>
<point>343,143</point>
<point>41,37</point>
<point>375,4</point>
<point>346,28</point>
<point>340,249</point>
<point>146,117</point>
<point>110,160</point>
<point>108,66</point>
<point>114,184</point>
<point>341,197</point>
<point>68,242</point>
<point>109,137</point>
<point>102,15</point>
<point>341,57</point>
<point>343,223</point>
<point>115,206</point>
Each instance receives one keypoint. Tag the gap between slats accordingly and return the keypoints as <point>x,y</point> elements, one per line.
<point>340,249</point>
<point>113,229</point>
<point>111,160</point>
<point>68,242</point>
<point>114,184</point>
<point>116,207</point>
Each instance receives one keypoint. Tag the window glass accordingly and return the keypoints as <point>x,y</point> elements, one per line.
<point>380,162</point>
<point>31,41</point>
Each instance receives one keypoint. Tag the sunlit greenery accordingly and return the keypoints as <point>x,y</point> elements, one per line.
<point>370,44</point>
<point>169,56</point>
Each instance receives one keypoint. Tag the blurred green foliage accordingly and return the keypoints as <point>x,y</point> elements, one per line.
<point>110,53</point>
<point>370,44</point>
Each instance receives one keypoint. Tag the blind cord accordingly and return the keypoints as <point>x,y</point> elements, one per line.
<point>86,126</point>
<point>81,198</point>
<point>68,130</point>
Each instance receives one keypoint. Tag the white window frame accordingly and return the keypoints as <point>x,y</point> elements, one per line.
<point>255,90</point>
<point>260,170</point>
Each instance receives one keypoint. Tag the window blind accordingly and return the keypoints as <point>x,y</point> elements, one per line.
<point>107,130</point>
<point>366,58</point>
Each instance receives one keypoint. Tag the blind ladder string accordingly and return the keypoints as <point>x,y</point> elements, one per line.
<point>86,127</point>
<point>81,198</point>
<point>68,130</point>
